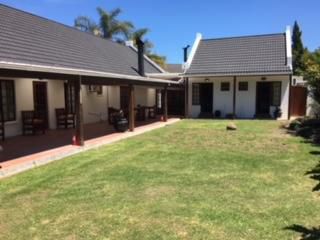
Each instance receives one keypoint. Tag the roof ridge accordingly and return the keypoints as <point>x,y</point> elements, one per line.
<point>58,23</point>
<point>244,36</point>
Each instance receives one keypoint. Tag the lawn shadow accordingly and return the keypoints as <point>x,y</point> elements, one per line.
<point>312,138</point>
<point>315,152</point>
<point>315,175</point>
<point>306,233</point>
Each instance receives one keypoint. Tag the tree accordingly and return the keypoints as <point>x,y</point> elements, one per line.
<point>109,26</point>
<point>297,50</point>
<point>160,60</point>
<point>312,75</point>
<point>141,33</point>
<point>86,24</point>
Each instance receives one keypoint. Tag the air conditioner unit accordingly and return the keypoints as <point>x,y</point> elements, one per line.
<point>95,89</point>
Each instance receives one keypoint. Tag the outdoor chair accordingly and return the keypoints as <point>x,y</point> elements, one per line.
<point>65,119</point>
<point>33,122</point>
<point>2,132</point>
<point>141,113</point>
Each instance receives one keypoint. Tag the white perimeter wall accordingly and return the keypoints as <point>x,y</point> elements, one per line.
<point>245,100</point>
<point>95,106</point>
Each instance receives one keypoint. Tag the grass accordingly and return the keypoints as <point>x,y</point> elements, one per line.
<point>190,180</point>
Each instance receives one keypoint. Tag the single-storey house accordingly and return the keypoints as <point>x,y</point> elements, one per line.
<point>242,77</point>
<point>46,66</point>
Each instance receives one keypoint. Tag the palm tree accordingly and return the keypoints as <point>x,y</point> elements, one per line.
<point>108,27</point>
<point>140,34</point>
<point>86,24</point>
<point>111,27</point>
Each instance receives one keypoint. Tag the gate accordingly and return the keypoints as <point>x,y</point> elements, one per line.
<point>298,101</point>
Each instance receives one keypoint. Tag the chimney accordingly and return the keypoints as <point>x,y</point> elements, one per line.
<point>140,45</point>
<point>289,47</point>
<point>185,53</point>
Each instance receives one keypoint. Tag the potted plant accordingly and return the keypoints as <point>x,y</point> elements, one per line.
<point>120,122</point>
<point>217,113</point>
<point>277,113</point>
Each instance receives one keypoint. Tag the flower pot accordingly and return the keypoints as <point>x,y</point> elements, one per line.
<point>121,125</point>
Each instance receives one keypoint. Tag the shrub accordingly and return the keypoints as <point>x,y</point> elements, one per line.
<point>295,125</point>
<point>305,132</point>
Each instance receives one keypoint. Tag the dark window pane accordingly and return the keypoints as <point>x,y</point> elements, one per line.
<point>7,98</point>
<point>276,93</point>
<point>195,93</point>
<point>225,86</point>
<point>243,86</point>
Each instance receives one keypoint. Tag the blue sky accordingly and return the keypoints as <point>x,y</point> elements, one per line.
<point>174,23</point>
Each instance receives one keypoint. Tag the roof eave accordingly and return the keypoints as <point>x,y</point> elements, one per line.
<point>236,74</point>
<point>79,72</point>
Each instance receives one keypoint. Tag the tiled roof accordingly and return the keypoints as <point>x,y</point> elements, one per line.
<point>29,39</point>
<point>241,55</point>
<point>173,68</point>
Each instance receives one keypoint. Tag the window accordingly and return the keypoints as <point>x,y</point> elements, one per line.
<point>276,93</point>
<point>243,86</point>
<point>7,100</point>
<point>159,99</point>
<point>195,93</point>
<point>225,86</point>
<point>69,95</point>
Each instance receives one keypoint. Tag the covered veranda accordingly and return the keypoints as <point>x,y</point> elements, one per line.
<point>22,146</point>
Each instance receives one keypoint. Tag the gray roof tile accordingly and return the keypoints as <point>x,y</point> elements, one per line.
<point>241,55</point>
<point>173,68</point>
<point>30,39</point>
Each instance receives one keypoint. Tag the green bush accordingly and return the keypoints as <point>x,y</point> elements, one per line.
<point>295,125</point>
<point>305,132</point>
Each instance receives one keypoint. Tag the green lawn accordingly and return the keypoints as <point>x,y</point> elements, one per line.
<point>190,180</point>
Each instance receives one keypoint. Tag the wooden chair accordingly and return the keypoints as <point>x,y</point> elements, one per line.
<point>32,122</point>
<point>2,131</point>
<point>141,113</point>
<point>65,119</point>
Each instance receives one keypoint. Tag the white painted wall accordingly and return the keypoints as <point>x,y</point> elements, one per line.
<point>94,106</point>
<point>145,96</point>
<point>245,100</point>
<point>24,102</point>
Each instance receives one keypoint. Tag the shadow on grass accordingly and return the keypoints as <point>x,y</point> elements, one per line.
<point>315,175</point>
<point>313,137</point>
<point>315,152</point>
<point>306,233</point>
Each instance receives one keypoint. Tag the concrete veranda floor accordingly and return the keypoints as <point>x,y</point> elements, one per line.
<point>24,152</point>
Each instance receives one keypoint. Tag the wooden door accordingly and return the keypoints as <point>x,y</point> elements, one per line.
<point>298,101</point>
<point>206,97</point>
<point>40,100</point>
<point>175,102</point>
<point>263,100</point>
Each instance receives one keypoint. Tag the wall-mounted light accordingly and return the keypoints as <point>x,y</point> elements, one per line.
<point>207,80</point>
<point>263,78</point>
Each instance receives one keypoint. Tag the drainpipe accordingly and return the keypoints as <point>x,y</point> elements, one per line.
<point>234,96</point>
<point>186,83</point>
<point>289,102</point>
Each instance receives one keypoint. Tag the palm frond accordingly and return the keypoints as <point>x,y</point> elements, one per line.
<point>86,24</point>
